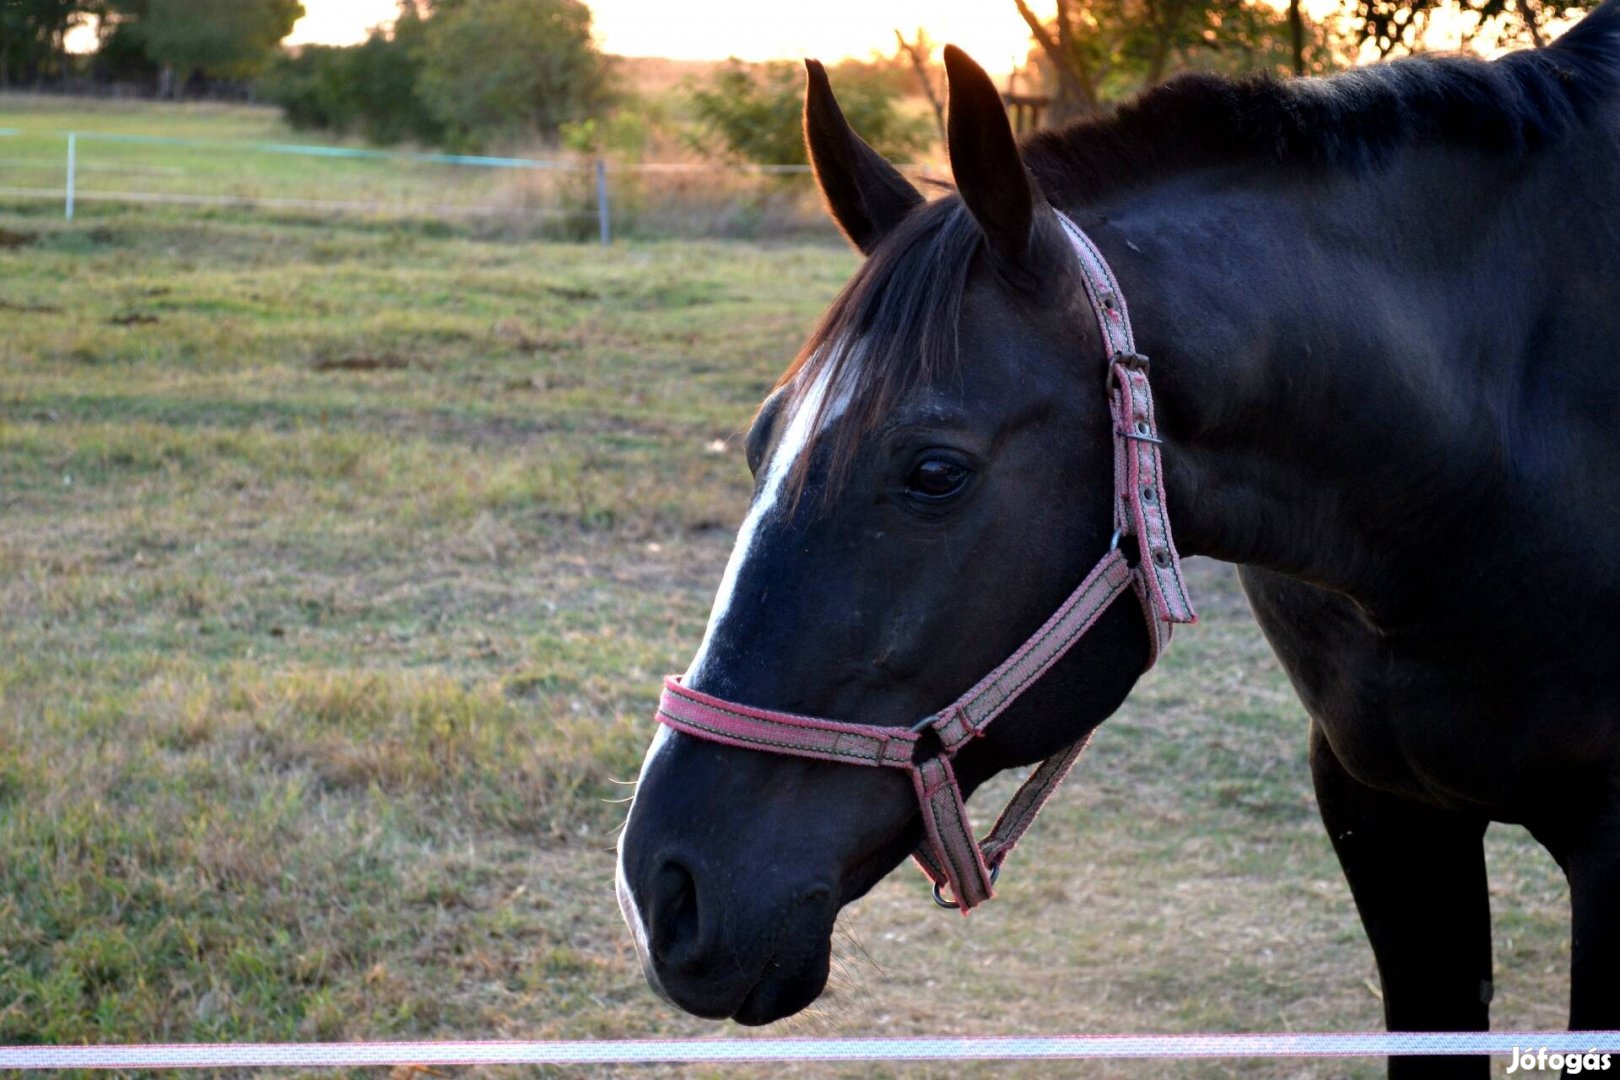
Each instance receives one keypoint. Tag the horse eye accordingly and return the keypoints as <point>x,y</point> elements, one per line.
<point>759,434</point>
<point>937,478</point>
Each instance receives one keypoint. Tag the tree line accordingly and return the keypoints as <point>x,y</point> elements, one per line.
<point>472,73</point>
<point>163,45</point>
<point>1096,52</point>
<point>462,74</point>
<point>458,73</point>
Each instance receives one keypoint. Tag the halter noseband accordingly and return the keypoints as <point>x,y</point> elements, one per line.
<point>948,854</point>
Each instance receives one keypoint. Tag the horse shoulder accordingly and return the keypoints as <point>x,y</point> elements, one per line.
<point>1427,714</point>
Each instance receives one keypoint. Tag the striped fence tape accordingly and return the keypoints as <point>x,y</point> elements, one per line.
<point>318,150</point>
<point>362,153</point>
<point>276,202</point>
<point>484,160</point>
<point>1586,1044</point>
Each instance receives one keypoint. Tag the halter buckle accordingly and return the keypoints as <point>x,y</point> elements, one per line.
<point>952,905</point>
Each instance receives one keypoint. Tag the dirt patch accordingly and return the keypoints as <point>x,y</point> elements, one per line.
<point>10,239</point>
<point>518,334</point>
<point>570,293</point>
<point>31,309</point>
<point>362,362</point>
<point>133,318</point>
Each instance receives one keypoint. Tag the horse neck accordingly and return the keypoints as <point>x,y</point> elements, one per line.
<point>1335,357</point>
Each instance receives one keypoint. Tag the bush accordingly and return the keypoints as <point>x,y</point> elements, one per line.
<point>384,80</point>
<point>369,89</point>
<point>751,112</point>
<point>309,88</point>
<point>476,72</point>
<point>506,70</point>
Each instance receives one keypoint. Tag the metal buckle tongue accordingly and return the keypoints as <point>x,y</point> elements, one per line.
<point>952,905</point>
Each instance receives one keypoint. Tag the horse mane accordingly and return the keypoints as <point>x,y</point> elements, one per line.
<point>1353,119</point>
<point>893,326</point>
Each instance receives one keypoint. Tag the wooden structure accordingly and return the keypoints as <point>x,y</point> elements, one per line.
<point>1025,110</point>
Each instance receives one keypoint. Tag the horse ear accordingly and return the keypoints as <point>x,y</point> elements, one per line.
<point>990,174</point>
<point>866,195</point>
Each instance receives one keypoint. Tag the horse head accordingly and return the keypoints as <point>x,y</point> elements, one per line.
<point>932,477</point>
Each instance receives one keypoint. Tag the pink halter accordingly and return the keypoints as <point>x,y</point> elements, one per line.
<point>949,855</point>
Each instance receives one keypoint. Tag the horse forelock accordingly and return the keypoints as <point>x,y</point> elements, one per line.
<point>893,327</point>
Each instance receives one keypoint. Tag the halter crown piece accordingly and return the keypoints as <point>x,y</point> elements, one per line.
<point>948,853</point>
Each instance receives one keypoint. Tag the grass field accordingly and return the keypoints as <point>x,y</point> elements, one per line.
<point>237,156</point>
<point>339,561</point>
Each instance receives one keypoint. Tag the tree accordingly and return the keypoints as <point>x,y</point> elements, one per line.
<point>1399,25</point>
<point>752,112</point>
<point>31,36</point>
<point>231,39</point>
<point>1098,51</point>
<point>371,88</point>
<point>459,73</point>
<point>918,54</point>
<point>120,54</point>
<point>505,70</point>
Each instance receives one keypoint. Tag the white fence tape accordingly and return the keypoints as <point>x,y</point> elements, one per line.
<point>952,1048</point>
<point>274,202</point>
<point>71,194</point>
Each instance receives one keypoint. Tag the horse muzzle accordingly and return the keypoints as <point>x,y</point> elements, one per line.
<point>721,950</point>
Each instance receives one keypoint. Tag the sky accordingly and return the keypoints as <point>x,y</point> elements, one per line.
<point>830,30</point>
<point>990,30</point>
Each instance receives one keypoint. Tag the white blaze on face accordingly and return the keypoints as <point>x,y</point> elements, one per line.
<point>788,450</point>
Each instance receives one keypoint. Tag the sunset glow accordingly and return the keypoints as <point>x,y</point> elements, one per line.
<point>990,30</point>
<point>340,22</point>
<point>714,29</point>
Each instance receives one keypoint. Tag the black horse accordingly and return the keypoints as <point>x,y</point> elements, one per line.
<point>1383,315</point>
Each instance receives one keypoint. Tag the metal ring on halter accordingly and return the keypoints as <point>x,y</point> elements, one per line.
<point>1113,541</point>
<point>939,897</point>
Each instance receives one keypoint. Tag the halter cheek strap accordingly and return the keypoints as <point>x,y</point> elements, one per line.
<point>948,854</point>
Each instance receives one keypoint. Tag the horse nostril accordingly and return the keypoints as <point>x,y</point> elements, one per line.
<point>675,925</point>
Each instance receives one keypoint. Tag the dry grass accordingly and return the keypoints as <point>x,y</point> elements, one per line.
<point>316,678</point>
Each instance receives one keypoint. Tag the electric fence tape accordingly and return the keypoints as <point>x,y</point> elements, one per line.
<point>712,1051</point>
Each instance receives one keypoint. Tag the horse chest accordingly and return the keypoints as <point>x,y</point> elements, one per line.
<point>1398,720</point>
